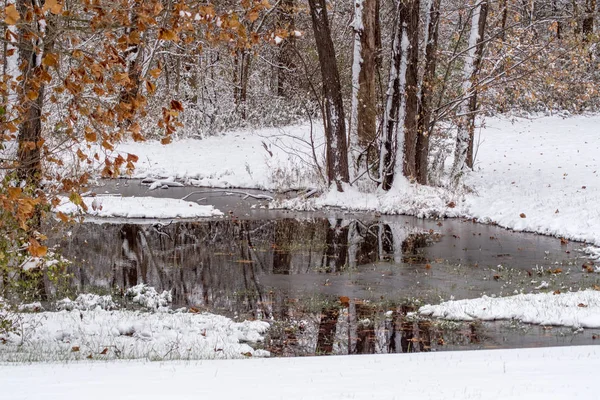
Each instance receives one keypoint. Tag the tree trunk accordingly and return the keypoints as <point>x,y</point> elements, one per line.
<point>35,38</point>
<point>134,68</point>
<point>409,159</point>
<point>285,57</point>
<point>334,117</point>
<point>466,119</point>
<point>588,19</point>
<point>398,151</point>
<point>504,6</point>
<point>393,118</point>
<point>427,85</point>
<point>364,74</point>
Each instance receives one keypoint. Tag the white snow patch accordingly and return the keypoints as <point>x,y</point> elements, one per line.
<point>148,297</point>
<point>102,334</point>
<point>140,207</point>
<point>536,374</point>
<point>87,301</point>
<point>574,309</point>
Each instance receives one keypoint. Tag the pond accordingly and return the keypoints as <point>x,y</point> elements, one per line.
<point>333,283</point>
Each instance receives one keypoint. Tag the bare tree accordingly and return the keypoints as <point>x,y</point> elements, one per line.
<point>367,43</point>
<point>426,90</point>
<point>333,116</point>
<point>466,119</point>
<point>398,148</point>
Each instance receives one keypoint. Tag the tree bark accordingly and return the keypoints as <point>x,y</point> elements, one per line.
<point>425,101</point>
<point>409,163</point>
<point>466,119</point>
<point>392,118</point>
<point>285,57</point>
<point>334,117</point>
<point>400,120</point>
<point>588,19</point>
<point>364,73</point>
<point>35,38</point>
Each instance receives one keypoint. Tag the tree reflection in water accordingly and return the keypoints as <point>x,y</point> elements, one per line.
<point>219,265</point>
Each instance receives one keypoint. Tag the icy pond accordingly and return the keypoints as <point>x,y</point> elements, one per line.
<point>332,283</point>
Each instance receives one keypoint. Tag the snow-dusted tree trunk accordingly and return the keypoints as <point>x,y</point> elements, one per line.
<point>334,117</point>
<point>463,155</point>
<point>393,118</point>
<point>34,41</point>
<point>367,41</point>
<point>285,56</point>
<point>398,148</point>
<point>407,164</point>
<point>10,62</point>
<point>426,90</point>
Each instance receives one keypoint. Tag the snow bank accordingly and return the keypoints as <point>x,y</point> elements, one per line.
<point>148,297</point>
<point>273,158</point>
<point>538,175</point>
<point>576,309</point>
<point>547,169</point>
<point>102,334</point>
<point>87,301</point>
<point>139,207</point>
<point>533,374</point>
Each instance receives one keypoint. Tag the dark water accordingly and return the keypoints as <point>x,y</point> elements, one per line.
<point>337,285</point>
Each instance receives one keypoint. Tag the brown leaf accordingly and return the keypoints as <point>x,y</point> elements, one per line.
<point>90,136</point>
<point>36,249</point>
<point>582,305</point>
<point>176,105</point>
<point>522,215</point>
<point>557,291</point>
<point>564,241</point>
<point>63,217</point>
<point>451,204</point>
<point>53,5</point>
<point>12,15</point>
<point>427,266</point>
<point>345,300</point>
<point>167,34</point>
<point>104,351</point>
<point>75,348</point>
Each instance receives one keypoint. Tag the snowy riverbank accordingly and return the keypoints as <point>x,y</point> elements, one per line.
<point>538,175</point>
<point>96,327</point>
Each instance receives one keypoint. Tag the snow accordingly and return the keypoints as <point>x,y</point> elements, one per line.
<point>79,334</point>
<point>234,159</point>
<point>87,301</point>
<point>139,207</point>
<point>534,167</point>
<point>148,297</point>
<point>573,309</point>
<point>547,373</point>
<point>546,168</point>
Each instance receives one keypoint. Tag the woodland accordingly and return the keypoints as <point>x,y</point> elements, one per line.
<point>398,86</point>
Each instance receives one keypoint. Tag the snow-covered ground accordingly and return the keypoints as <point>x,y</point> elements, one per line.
<point>264,159</point>
<point>547,373</point>
<point>575,309</point>
<point>139,207</point>
<point>96,327</point>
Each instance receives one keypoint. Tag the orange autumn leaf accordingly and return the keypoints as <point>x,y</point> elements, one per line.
<point>36,249</point>
<point>12,15</point>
